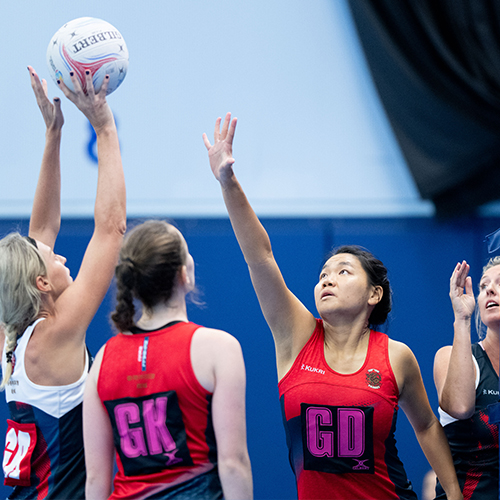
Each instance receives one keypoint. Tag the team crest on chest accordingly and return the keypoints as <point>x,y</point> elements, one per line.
<point>373,378</point>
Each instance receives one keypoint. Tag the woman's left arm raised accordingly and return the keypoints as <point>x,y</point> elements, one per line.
<point>45,217</point>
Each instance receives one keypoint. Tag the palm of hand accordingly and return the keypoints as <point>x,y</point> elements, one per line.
<point>463,303</point>
<point>220,155</point>
<point>95,108</point>
<point>93,105</point>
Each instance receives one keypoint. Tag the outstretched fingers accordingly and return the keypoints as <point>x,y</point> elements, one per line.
<point>462,272</point>
<point>206,141</point>
<point>89,84</point>
<point>231,131</point>
<point>51,111</point>
<point>104,87</point>
<point>66,90</point>
<point>463,301</point>
<point>217,130</point>
<point>38,87</point>
<point>468,286</point>
<point>57,106</point>
<point>224,134</point>
<point>225,126</point>
<point>220,153</point>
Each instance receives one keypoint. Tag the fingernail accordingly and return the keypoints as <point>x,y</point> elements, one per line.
<point>56,99</point>
<point>87,72</point>
<point>71,73</point>
<point>107,77</point>
<point>58,82</point>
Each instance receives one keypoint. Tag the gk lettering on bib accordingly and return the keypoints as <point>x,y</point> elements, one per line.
<point>149,433</point>
<point>20,442</point>
<point>337,439</point>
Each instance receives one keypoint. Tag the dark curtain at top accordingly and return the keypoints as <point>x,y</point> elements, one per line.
<point>436,65</point>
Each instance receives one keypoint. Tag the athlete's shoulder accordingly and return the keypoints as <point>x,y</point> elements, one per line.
<point>402,359</point>
<point>399,348</point>
<point>214,336</point>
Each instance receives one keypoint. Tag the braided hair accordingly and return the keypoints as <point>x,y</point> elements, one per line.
<point>151,257</point>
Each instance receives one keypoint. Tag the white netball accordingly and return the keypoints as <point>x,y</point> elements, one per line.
<point>89,44</point>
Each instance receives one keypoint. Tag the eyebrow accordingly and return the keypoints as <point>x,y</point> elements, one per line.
<point>338,264</point>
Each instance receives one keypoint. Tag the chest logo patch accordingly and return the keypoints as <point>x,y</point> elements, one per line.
<point>373,378</point>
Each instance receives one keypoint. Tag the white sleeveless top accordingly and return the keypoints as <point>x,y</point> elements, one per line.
<point>53,400</point>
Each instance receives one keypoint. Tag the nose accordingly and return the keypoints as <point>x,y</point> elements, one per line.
<point>327,281</point>
<point>491,288</point>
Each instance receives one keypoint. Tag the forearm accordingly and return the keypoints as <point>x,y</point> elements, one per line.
<point>110,204</point>
<point>458,395</point>
<point>98,486</point>
<point>250,233</point>
<point>45,218</point>
<point>236,478</point>
<point>437,451</point>
<point>97,438</point>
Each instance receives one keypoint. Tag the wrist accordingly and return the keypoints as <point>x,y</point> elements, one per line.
<point>228,180</point>
<point>105,129</point>
<point>463,318</point>
<point>53,133</point>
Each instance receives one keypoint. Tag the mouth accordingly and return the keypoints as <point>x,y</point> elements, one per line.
<point>327,293</point>
<point>490,304</point>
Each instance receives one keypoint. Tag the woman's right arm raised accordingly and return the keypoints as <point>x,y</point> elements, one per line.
<point>79,303</point>
<point>290,322</point>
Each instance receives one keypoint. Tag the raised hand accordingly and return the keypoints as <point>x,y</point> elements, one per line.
<point>93,105</point>
<point>220,153</point>
<point>463,303</point>
<point>51,112</point>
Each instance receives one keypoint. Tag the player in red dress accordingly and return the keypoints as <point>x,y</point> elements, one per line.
<point>340,381</point>
<point>167,395</point>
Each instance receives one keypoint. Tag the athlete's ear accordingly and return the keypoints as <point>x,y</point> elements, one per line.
<point>376,295</point>
<point>183,276</point>
<point>43,284</point>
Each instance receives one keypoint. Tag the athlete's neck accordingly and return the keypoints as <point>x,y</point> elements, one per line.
<point>491,345</point>
<point>161,314</point>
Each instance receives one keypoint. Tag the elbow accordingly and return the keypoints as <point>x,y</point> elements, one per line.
<point>461,414</point>
<point>236,476</point>
<point>113,224</point>
<point>458,410</point>
<point>121,225</point>
<point>235,465</point>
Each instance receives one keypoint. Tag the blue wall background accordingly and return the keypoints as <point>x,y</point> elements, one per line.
<point>420,254</point>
